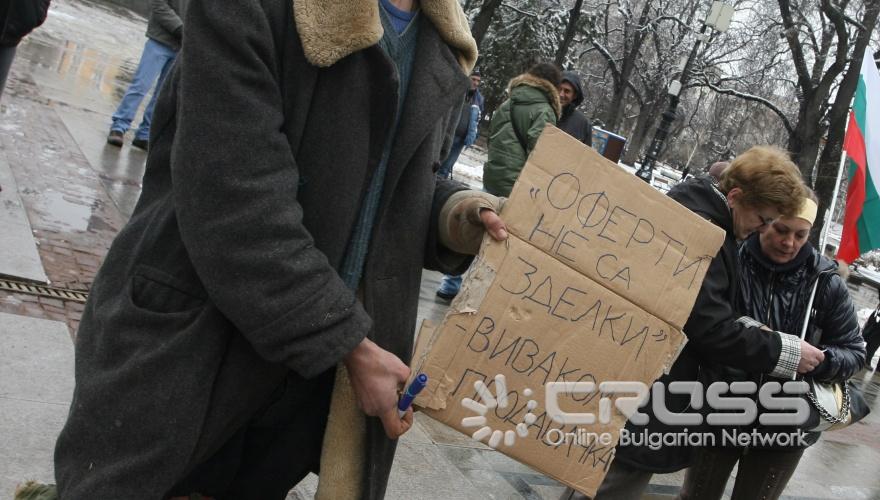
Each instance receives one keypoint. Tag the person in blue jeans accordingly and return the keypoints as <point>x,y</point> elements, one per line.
<point>449,286</point>
<point>467,128</point>
<point>516,125</point>
<point>164,35</point>
<point>465,135</point>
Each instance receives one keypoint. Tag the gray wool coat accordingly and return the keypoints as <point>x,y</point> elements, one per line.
<point>224,282</point>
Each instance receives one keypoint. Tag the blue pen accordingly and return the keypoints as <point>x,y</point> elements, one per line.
<point>415,387</point>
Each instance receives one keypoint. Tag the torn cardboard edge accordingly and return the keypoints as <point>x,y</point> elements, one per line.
<point>475,284</point>
<point>483,276</point>
<point>504,322</point>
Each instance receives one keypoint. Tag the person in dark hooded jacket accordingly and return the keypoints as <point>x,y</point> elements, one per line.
<point>20,17</point>
<point>572,121</point>
<point>759,186</point>
<point>778,269</point>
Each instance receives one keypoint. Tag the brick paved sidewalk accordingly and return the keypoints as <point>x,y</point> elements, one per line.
<point>72,216</point>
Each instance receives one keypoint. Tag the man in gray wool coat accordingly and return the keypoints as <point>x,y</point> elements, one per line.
<point>253,320</point>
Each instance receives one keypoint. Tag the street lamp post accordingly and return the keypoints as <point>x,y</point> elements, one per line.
<point>718,19</point>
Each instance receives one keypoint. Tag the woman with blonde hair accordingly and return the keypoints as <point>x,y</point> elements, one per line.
<point>759,186</point>
<point>779,268</point>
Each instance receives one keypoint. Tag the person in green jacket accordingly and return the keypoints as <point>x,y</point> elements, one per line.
<point>514,130</point>
<point>517,123</point>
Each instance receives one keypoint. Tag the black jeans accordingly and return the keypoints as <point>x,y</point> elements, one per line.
<point>762,474</point>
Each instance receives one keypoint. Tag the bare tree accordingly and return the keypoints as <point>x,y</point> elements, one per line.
<point>826,174</point>
<point>520,36</point>
<point>653,79</point>
<point>822,41</point>
<point>784,73</point>
<point>484,20</point>
<point>633,32</point>
<point>814,81</point>
<point>574,16</point>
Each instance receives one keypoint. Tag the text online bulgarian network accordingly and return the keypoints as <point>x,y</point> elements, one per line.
<point>737,411</point>
<point>658,440</point>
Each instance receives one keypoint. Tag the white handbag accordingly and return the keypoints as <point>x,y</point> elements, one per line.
<point>830,400</point>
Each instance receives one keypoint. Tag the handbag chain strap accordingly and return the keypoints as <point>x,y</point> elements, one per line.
<point>844,413</point>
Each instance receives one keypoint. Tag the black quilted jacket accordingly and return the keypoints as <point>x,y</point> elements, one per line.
<point>777,295</point>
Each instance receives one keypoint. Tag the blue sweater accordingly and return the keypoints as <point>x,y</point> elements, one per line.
<point>401,49</point>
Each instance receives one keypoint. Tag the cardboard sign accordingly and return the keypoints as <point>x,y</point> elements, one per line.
<point>609,225</point>
<point>598,276</point>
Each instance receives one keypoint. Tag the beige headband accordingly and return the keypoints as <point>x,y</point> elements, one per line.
<point>808,211</point>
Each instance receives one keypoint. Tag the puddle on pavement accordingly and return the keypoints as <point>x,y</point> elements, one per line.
<point>82,69</point>
<point>65,215</point>
<point>92,46</point>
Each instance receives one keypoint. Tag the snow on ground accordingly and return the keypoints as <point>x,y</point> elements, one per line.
<point>469,169</point>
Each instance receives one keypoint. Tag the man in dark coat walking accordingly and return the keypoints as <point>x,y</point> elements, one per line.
<point>572,121</point>
<point>269,275</point>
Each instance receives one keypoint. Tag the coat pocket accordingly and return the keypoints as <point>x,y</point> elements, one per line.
<point>156,291</point>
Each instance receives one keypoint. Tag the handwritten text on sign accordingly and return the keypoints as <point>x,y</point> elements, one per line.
<point>623,235</point>
<point>541,322</point>
<point>594,284</point>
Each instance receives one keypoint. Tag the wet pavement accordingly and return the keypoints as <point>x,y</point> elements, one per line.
<point>76,192</point>
<point>18,254</point>
<point>35,392</point>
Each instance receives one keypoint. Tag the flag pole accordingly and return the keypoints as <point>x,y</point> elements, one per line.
<point>826,227</point>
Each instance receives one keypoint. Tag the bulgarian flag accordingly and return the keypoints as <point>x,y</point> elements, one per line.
<point>861,222</point>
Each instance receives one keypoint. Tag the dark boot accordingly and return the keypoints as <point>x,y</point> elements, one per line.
<point>141,143</point>
<point>114,138</point>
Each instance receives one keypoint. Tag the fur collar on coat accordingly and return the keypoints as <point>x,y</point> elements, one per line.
<point>542,85</point>
<point>332,30</point>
